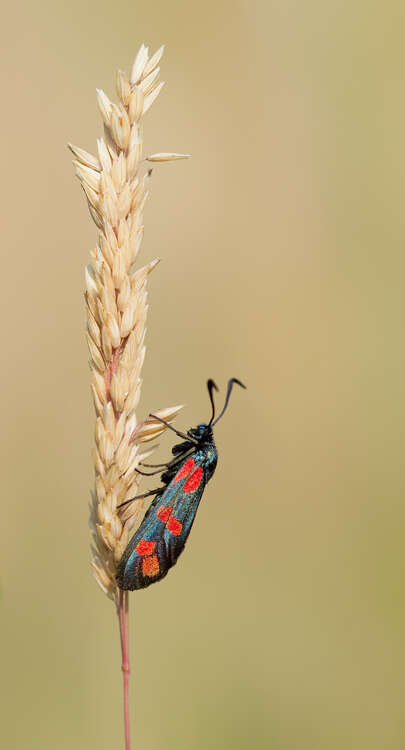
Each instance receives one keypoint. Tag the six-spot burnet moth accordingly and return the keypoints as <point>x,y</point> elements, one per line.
<point>160,539</point>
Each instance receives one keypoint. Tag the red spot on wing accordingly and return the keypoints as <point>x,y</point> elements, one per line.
<point>163,512</point>
<point>194,481</point>
<point>144,547</point>
<point>174,525</point>
<point>150,566</point>
<point>184,471</point>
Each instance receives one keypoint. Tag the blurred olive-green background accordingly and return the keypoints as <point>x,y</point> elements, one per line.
<point>282,246</point>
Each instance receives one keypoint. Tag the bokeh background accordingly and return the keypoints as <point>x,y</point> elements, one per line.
<point>283,625</point>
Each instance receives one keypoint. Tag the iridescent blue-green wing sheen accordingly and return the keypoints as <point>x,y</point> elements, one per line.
<point>180,522</point>
<point>144,549</point>
<point>157,544</point>
<point>182,517</point>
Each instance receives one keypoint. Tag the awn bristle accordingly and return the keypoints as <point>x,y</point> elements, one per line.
<point>116,297</point>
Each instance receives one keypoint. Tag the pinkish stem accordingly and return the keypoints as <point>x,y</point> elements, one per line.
<point>123,614</point>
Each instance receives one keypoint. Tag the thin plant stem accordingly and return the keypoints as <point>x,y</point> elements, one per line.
<point>123,617</point>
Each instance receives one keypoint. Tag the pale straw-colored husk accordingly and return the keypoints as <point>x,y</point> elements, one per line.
<point>116,297</point>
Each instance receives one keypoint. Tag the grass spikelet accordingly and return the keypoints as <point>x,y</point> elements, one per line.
<point>116,299</point>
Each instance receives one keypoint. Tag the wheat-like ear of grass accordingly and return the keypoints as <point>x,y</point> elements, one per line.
<point>116,297</point>
<point>115,183</point>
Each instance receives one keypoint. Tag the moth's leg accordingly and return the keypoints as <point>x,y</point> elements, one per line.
<point>149,473</point>
<point>144,494</point>
<point>154,466</point>
<point>168,464</point>
<point>162,466</point>
<point>180,434</point>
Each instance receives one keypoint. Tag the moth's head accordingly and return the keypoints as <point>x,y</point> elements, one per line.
<point>201,432</point>
<point>211,388</point>
<point>205,431</point>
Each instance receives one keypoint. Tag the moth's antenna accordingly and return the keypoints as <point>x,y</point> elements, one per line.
<point>211,388</point>
<point>228,394</point>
